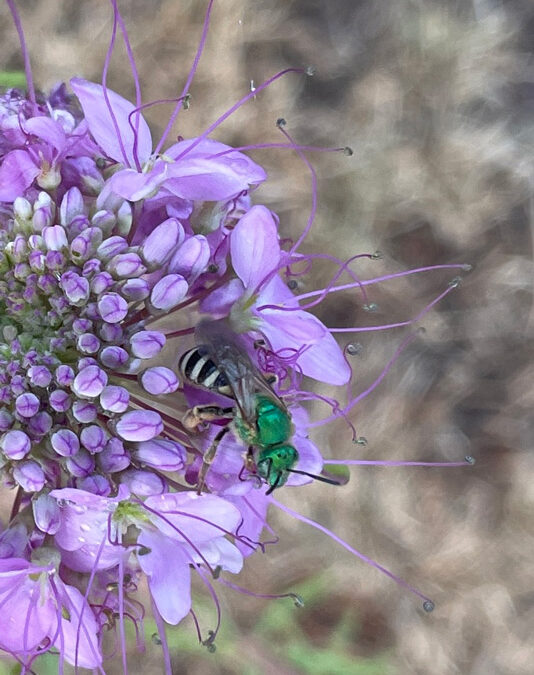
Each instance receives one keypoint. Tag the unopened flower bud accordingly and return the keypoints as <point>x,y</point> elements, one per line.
<point>71,206</point>
<point>147,343</point>
<point>15,444</point>
<point>65,442</point>
<point>139,425</point>
<point>86,244</point>
<point>29,476</point>
<point>168,292</point>
<point>191,258</point>
<point>55,238</point>
<point>161,242</point>
<point>159,380</point>
<point>111,247</point>
<point>112,307</point>
<point>143,483</point>
<point>115,399</point>
<point>46,514</point>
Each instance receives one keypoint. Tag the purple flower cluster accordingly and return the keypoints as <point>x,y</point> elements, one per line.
<point>110,251</point>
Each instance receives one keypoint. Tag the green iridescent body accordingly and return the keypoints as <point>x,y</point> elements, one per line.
<point>270,432</point>
<point>260,417</point>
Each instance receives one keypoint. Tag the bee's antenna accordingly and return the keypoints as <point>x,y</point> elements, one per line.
<point>330,481</point>
<point>276,483</point>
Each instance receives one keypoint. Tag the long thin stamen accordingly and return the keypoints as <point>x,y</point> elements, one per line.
<point>32,606</point>
<point>387,326</point>
<point>269,146</point>
<point>269,596</point>
<point>427,602</point>
<point>86,597</point>
<point>60,634</point>
<point>468,461</point>
<point>24,50</point>
<point>197,625</point>
<point>105,69</point>
<point>212,524</point>
<point>387,277</point>
<point>236,106</point>
<point>212,634</point>
<point>150,104</point>
<point>190,77</point>
<point>313,174</point>
<point>121,616</point>
<point>162,637</point>
<point>137,84</point>
<point>177,530</point>
<point>373,386</point>
<point>74,611</point>
<point>344,267</point>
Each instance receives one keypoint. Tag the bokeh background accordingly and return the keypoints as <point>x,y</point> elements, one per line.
<point>436,98</point>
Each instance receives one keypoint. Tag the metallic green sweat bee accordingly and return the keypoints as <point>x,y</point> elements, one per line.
<point>220,363</point>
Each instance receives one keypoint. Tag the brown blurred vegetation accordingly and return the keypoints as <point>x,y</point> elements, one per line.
<point>436,99</point>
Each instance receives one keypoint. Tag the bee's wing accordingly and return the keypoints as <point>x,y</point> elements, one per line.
<point>231,357</point>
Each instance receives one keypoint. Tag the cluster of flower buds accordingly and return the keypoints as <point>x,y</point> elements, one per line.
<point>111,252</point>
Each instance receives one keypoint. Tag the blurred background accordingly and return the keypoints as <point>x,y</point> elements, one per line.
<point>436,98</point>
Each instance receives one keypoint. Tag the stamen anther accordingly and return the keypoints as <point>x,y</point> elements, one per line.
<point>354,348</point>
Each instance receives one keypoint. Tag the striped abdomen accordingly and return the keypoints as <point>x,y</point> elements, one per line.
<point>199,368</point>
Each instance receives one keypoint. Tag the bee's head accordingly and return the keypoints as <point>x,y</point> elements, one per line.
<point>275,463</point>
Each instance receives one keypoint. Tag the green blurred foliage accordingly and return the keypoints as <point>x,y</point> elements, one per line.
<point>12,78</point>
<point>288,635</point>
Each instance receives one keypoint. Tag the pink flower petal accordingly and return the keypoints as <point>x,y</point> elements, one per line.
<point>322,359</point>
<point>100,122</point>
<point>200,517</point>
<point>48,130</point>
<point>134,186</point>
<point>78,642</point>
<point>17,172</point>
<point>254,247</point>
<point>167,566</point>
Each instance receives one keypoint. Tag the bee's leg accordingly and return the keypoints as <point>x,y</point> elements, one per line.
<point>205,413</point>
<point>250,464</point>
<point>208,458</point>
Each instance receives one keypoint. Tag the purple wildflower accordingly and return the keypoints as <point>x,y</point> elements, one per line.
<point>110,244</point>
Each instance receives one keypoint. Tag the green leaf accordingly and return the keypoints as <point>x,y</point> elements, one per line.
<point>12,78</point>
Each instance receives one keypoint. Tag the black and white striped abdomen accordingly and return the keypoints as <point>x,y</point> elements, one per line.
<point>199,368</point>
